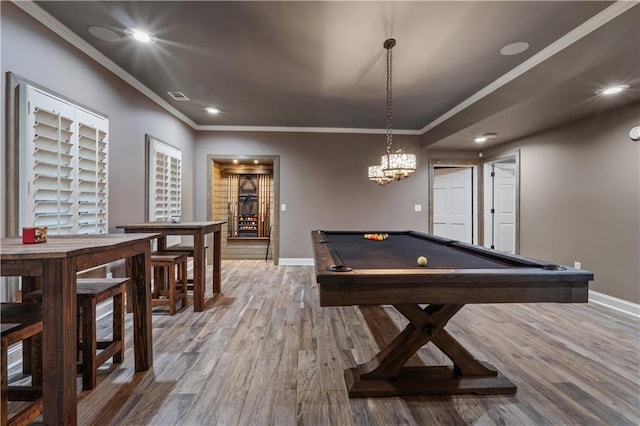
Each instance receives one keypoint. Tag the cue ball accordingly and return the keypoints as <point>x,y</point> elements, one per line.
<point>422,261</point>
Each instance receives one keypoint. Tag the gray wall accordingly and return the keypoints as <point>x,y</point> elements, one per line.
<point>580,198</point>
<point>323,182</point>
<point>31,51</point>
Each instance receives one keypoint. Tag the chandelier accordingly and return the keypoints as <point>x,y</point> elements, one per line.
<point>393,165</point>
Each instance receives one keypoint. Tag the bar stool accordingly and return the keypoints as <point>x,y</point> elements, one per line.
<point>21,321</point>
<point>188,250</point>
<point>169,280</point>
<point>90,292</point>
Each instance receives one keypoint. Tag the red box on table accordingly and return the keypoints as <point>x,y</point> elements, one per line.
<point>34,235</point>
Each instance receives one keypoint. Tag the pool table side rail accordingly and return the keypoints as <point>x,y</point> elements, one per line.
<point>431,285</point>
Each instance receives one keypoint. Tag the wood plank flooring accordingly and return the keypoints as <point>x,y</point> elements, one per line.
<point>266,353</point>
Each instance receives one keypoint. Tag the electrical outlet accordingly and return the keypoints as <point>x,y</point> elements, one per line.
<point>577,265</point>
<point>283,207</point>
<point>417,207</point>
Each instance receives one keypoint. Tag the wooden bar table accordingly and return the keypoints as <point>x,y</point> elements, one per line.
<point>198,230</point>
<point>53,265</point>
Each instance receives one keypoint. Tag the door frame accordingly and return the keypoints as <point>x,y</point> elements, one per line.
<point>479,195</point>
<point>435,163</point>
<point>275,159</point>
<point>515,155</point>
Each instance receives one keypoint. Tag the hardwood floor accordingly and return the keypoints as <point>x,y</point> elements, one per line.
<point>266,353</point>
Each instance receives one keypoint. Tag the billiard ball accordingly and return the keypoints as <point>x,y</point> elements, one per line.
<point>422,261</point>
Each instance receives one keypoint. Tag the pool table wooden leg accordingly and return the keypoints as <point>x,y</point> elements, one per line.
<point>385,374</point>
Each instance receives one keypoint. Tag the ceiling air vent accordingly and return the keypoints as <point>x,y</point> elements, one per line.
<point>178,96</point>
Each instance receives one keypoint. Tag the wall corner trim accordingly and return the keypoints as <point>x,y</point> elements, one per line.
<point>614,303</point>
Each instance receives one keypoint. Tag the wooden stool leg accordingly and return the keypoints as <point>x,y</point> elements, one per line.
<point>36,360</point>
<point>79,327</point>
<point>129,296</point>
<point>157,282</point>
<point>183,279</point>
<point>171,291</point>
<point>89,344</point>
<point>118,325</point>
<point>4,390</point>
<point>29,284</point>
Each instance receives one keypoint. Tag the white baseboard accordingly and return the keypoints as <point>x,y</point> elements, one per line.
<point>294,261</point>
<point>620,305</point>
<point>14,354</point>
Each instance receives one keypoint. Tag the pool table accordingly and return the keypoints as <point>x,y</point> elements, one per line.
<point>352,270</point>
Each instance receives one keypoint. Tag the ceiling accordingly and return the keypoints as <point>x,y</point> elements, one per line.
<point>321,64</point>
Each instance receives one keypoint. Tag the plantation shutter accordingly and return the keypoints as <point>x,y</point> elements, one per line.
<point>165,185</point>
<point>63,182</point>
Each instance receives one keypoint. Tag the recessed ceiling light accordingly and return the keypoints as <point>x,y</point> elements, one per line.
<point>514,48</point>
<point>212,110</point>
<point>140,35</point>
<point>485,137</point>
<point>611,90</point>
<point>103,33</point>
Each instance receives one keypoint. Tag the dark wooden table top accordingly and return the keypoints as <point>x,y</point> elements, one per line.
<point>61,246</point>
<point>171,227</point>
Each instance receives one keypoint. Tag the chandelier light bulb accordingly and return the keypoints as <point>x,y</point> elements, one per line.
<point>398,166</point>
<point>376,175</point>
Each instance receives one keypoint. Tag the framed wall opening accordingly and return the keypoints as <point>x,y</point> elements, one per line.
<point>493,205</point>
<point>453,199</point>
<point>243,190</point>
<point>501,210</point>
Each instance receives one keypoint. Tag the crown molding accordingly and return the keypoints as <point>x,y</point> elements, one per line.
<point>613,11</point>
<point>576,34</point>
<point>64,32</point>
<point>218,128</point>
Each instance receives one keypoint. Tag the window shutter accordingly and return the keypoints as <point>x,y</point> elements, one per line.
<point>165,185</point>
<point>64,165</point>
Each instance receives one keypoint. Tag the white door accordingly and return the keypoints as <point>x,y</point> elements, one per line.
<point>452,203</point>
<point>501,210</point>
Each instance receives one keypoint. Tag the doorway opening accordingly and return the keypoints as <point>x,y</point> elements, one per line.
<point>477,202</point>
<point>501,203</point>
<point>453,199</point>
<point>243,191</point>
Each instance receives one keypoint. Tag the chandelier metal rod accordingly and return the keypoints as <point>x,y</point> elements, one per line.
<point>389,44</point>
